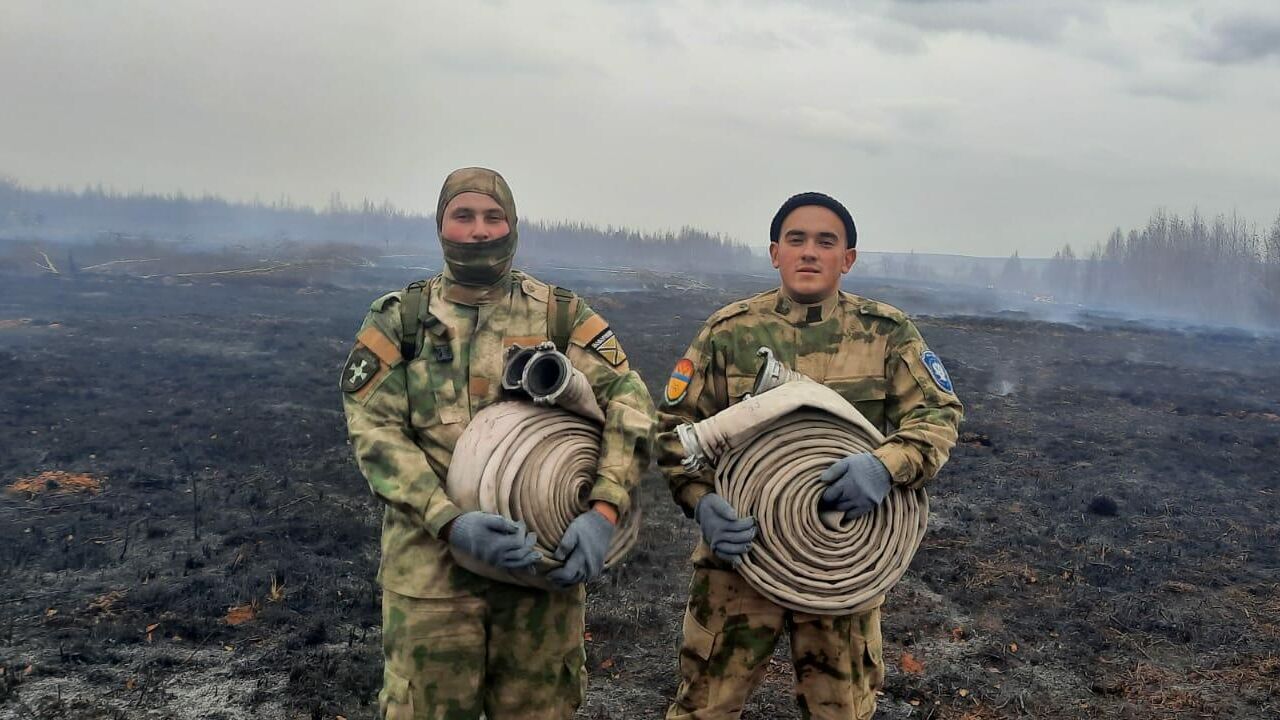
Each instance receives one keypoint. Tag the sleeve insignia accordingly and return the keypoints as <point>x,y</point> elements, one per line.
<point>606,345</point>
<point>362,364</point>
<point>678,383</point>
<point>941,378</point>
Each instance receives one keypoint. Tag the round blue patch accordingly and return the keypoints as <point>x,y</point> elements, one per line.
<point>937,371</point>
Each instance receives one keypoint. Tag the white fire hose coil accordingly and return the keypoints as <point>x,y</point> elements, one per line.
<point>768,452</point>
<point>534,460</point>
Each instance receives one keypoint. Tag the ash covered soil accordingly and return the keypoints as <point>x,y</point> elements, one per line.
<point>1102,543</point>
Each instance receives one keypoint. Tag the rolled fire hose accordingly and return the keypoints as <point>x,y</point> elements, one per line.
<point>534,460</point>
<point>768,451</point>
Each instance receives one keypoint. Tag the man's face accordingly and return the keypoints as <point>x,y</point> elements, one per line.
<point>811,254</point>
<point>473,217</point>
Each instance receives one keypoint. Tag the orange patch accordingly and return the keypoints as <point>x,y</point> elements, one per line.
<point>678,383</point>
<point>588,330</point>
<point>240,614</point>
<point>57,482</point>
<point>386,350</point>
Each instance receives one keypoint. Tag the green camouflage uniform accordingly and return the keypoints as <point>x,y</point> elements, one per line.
<point>869,352</point>
<point>457,644</point>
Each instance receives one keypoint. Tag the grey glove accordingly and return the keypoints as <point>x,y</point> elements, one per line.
<point>728,535</point>
<point>857,483</point>
<point>494,540</point>
<point>582,549</point>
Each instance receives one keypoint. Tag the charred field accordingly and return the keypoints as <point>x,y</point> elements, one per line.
<point>183,531</point>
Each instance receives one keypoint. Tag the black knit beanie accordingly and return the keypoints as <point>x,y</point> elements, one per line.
<point>814,198</point>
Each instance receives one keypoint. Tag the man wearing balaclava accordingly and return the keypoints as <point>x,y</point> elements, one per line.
<point>456,644</point>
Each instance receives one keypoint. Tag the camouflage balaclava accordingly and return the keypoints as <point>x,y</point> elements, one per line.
<point>485,263</point>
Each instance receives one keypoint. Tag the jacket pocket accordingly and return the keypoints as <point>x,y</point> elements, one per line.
<point>696,647</point>
<point>395,700</point>
<point>433,394</point>
<point>575,685</point>
<point>866,393</point>
<point>738,386</point>
<point>698,640</point>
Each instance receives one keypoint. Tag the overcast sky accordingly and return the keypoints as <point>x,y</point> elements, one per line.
<point>965,126</point>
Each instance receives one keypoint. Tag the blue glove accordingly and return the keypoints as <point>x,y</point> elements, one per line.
<point>582,549</point>
<point>728,535</point>
<point>494,540</point>
<point>857,484</point>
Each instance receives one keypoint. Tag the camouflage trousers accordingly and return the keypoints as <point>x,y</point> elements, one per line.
<point>730,631</point>
<point>506,651</point>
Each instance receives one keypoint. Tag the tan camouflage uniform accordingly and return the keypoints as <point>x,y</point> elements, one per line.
<point>456,644</point>
<point>870,353</point>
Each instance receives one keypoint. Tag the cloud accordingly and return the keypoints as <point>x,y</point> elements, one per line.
<point>1031,22</point>
<point>1177,89</point>
<point>1238,40</point>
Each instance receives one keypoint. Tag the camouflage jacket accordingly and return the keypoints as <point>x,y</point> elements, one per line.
<point>870,352</point>
<point>405,418</point>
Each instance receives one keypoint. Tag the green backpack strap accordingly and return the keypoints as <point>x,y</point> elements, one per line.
<point>410,322</point>
<point>561,311</point>
<point>415,318</point>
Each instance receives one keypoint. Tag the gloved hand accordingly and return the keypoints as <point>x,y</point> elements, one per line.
<point>494,540</point>
<point>857,483</point>
<point>728,535</point>
<point>582,549</point>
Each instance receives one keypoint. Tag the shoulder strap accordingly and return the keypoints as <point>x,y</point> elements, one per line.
<point>416,317</point>
<point>562,308</point>
<point>410,324</point>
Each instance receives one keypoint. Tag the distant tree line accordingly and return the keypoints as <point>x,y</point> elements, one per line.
<point>588,245</point>
<point>205,220</point>
<point>210,222</point>
<point>1225,269</point>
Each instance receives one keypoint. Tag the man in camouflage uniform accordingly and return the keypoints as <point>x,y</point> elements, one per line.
<point>872,354</point>
<point>456,644</point>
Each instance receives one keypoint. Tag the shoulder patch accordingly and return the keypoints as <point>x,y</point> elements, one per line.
<point>362,364</point>
<point>588,330</point>
<point>382,346</point>
<point>595,334</point>
<point>678,383</point>
<point>940,376</point>
<point>606,344</point>
<point>381,303</point>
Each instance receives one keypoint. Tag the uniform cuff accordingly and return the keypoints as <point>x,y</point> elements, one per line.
<point>612,492</point>
<point>690,493</point>
<point>441,514</point>
<point>896,462</point>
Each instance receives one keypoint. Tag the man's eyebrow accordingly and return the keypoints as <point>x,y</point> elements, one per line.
<point>794,231</point>
<point>827,234</point>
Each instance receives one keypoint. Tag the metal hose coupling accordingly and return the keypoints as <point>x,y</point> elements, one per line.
<point>772,373</point>
<point>545,375</point>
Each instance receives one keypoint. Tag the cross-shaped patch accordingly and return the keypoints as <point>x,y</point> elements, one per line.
<point>359,369</point>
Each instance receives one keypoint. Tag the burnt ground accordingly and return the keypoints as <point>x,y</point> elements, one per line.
<point>1102,544</point>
